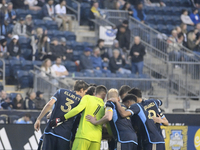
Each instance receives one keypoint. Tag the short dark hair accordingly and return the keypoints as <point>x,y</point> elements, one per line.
<point>58,57</point>
<point>80,84</point>
<point>100,89</point>
<point>125,22</point>
<point>129,97</point>
<point>184,10</point>
<point>135,91</point>
<point>99,41</point>
<point>93,84</point>
<point>27,115</point>
<point>91,90</point>
<point>124,89</point>
<point>180,35</point>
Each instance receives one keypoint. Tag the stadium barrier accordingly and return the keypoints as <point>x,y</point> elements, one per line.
<point>76,11</point>
<point>183,134</point>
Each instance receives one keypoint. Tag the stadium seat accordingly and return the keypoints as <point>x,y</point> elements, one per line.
<point>26,53</point>
<point>85,9</point>
<point>13,119</point>
<point>8,68</point>
<point>78,46</point>
<point>38,22</point>
<point>35,14</point>
<point>71,66</point>
<point>178,110</point>
<point>176,20</point>
<point>159,19</point>
<point>70,36</point>
<point>21,13</point>
<point>27,65</point>
<point>51,25</point>
<point>37,63</point>
<point>151,19</point>
<point>78,74</point>
<point>76,55</point>
<point>197,110</point>
<point>59,34</point>
<point>23,78</point>
<point>24,42</point>
<point>150,10</point>
<point>15,66</point>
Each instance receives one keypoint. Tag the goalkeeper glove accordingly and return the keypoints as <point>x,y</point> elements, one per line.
<point>56,121</point>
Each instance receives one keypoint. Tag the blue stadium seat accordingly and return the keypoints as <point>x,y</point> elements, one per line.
<point>168,20</point>
<point>70,66</point>
<point>88,74</point>
<point>78,46</point>
<point>35,14</point>
<point>15,66</point>
<point>176,20</point>
<point>163,29</point>
<point>58,33</point>
<point>168,11</point>
<point>90,45</point>
<point>38,22</point>
<point>21,13</point>
<point>85,9</point>
<point>51,33</point>
<point>119,75</point>
<point>31,77</point>
<point>159,19</point>
<point>1,64</point>
<point>51,25</point>
<point>24,42</point>
<point>150,10</point>
<point>78,74</point>
<point>23,78</point>
<point>8,68</point>
<point>26,53</point>
<point>27,65</point>
<point>76,55</point>
<point>37,63</point>
<point>151,19</point>
<point>70,36</point>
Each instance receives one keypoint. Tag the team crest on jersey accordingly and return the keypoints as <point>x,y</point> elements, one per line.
<point>176,139</point>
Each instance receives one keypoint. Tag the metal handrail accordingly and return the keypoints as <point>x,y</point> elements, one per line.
<point>3,71</point>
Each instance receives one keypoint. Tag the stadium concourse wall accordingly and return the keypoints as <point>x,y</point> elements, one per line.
<point>182,134</point>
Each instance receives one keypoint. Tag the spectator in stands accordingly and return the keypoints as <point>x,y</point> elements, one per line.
<point>86,62</point>
<point>61,13</point>
<point>154,3</point>
<point>20,4</point>
<point>10,15</point>
<point>26,119</point>
<point>137,56</point>
<point>20,28</point>
<point>47,69</point>
<point>33,5</point>
<point>55,48</point>
<point>185,18</point>
<point>109,4</point>
<point>66,52</point>
<point>49,13</point>
<point>29,25</point>
<point>60,70</point>
<point>18,102</point>
<point>117,63</point>
<point>103,50</point>
<point>178,29</point>
<point>3,32</point>
<point>192,43</point>
<point>138,13</point>
<point>127,7</point>
<point>115,46</point>
<point>172,41</point>
<point>7,104</point>
<point>183,27</point>
<point>197,28</point>
<point>3,96</point>
<point>29,102</point>
<point>196,3</point>
<point>117,5</point>
<point>41,3</point>
<point>44,48</point>
<point>14,47</point>
<point>97,62</point>
<point>123,37</point>
<point>40,101</point>
<point>3,49</point>
<point>3,6</point>
<point>195,16</point>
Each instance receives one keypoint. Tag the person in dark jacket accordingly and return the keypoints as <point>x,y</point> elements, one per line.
<point>138,13</point>
<point>123,37</point>
<point>66,51</point>
<point>86,62</point>
<point>103,50</point>
<point>127,7</point>
<point>7,104</point>
<point>117,63</point>
<point>137,56</point>
<point>14,47</point>
<point>55,48</point>
<point>40,101</point>
<point>20,4</point>
<point>29,101</point>
<point>18,102</point>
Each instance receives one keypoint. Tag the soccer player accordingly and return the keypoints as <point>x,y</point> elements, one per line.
<point>152,106</point>
<point>122,129</point>
<point>147,127</point>
<point>63,101</point>
<point>88,136</point>
<point>124,90</point>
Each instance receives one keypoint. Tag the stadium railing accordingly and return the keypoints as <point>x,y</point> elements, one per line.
<point>48,83</point>
<point>2,70</point>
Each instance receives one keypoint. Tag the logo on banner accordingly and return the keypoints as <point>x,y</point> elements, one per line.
<point>4,142</point>
<point>176,139</point>
<point>197,140</point>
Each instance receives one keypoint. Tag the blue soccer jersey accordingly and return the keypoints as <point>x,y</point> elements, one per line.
<point>65,101</point>
<point>145,125</point>
<point>152,106</point>
<point>122,128</point>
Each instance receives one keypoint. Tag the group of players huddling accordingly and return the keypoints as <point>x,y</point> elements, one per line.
<point>78,116</point>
